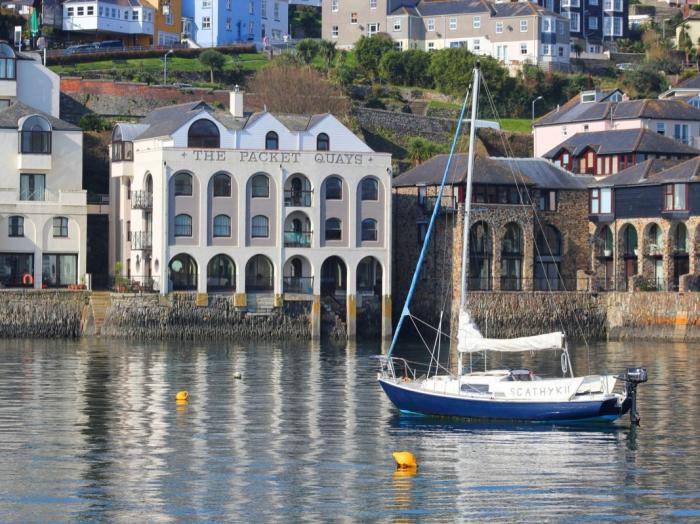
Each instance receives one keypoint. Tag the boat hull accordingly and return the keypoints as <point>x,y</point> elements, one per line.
<point>409,399</point>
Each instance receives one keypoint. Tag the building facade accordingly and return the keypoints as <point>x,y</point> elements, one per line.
<point>514,33</point>
<point>268,208</point>
<point>131,21</point>
<point>43,212</point>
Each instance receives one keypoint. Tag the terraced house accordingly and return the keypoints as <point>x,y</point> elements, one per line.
<point>267,208</point>
<point>515,33</point>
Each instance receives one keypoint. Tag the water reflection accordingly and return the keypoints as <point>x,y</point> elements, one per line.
<point>90,430</point>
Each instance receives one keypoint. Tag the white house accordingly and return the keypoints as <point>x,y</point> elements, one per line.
<point>265,207</point>
<point>120,17</point>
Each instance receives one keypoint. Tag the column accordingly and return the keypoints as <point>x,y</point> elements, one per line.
<point>351,313</point>
<point>38,267</point>
<point>239,297</point>
<point>316,306</point>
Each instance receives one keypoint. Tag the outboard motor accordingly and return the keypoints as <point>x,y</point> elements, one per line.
<point>633,377</point>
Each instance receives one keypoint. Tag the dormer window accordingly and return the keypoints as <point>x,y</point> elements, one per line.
<point>122,150</point>
<point>323,143</point>
<point>588,97</point>
<point>35,136</point>
<point>272,141</point>
<point>203,134</point>
<point>7,63</point>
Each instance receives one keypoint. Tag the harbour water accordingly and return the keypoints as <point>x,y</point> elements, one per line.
<point>90,431</point>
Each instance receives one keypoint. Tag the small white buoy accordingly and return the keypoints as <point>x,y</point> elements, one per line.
<point>237,375</point>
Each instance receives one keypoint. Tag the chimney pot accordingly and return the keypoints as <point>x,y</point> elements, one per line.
<point>236,102</point>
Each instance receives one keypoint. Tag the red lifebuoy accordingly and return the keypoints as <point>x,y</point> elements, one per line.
<point>28,279</point>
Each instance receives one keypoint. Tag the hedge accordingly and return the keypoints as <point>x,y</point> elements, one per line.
<point>145,53</point>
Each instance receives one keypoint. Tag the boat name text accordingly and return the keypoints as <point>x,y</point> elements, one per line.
<point>539,391</point>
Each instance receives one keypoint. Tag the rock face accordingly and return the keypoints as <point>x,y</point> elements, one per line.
<point>42,314</point>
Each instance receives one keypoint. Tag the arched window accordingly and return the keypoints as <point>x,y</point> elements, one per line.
<point>323,143</point>
<point>334,188</point>
<point>221,274</point>
<point>370,189</point>
<point>479,257</point>
<point>183,226</point>
<point>121,149</point>
<point>334,229</point>
<point>7,62</point>
<point>606,241</point>
<point>36,136</point>
<point>260,227</point>
<point>629,241</point>
<point>272,141</point>
<point>60,227</point>
<point>369,229</point>
<point>183,184</point>
<point>548,259</point>
<point>222,226</point>
<point>259,274</point>
<point>549,242</point>
<point>222,185</point>
<point>16,228</point>
<point>183,273</point>
<point>203,133</point>
<point>680,244</point>
<point>512,258</point>
<point>260,186</point>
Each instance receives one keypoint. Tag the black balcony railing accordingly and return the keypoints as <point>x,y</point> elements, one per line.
<point>297,239</point>
<point>141,241</point>
<point>141,200</point>
<point>448,203</point>
<point>35,142</point>
<point>297,198</point>
<point>134,284</point>
<point>303,285</point>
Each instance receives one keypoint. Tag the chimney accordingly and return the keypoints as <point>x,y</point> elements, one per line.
<point>236,102</point>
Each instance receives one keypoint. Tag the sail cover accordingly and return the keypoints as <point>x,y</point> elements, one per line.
<point>548,341</point>
<point>467,331</point>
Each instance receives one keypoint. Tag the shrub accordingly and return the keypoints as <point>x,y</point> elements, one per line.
<point>307,49</point>
<point>93,122</point>
<point>370,50</point>
<point>214,60</point>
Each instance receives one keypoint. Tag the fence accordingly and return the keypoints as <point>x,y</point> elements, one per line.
<point>134,284</point>
<point>303,285</point>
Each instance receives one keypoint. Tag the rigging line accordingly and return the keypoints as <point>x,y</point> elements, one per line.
<point>440,332</point>
<point>431,225</point>
<point>419,333</point>
<point>537,218</point>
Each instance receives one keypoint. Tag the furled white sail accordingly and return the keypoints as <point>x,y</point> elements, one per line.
<point>466,331</point>
<point>548,341</point>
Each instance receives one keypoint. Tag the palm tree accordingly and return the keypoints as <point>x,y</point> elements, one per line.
<point>327,51</point>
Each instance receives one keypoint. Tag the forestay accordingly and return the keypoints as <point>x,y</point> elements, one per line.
<point>546,342</point>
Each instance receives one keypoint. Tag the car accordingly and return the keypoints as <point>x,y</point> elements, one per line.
<point>110,44</point>
<point>181,85</point>
<point>625,66</point>
<point>81,48</point>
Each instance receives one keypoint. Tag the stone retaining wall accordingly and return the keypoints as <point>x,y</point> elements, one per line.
<point>42,314</point>
<point>178,317</point>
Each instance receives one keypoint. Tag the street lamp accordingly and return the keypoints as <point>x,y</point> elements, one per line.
<point>533,106</point>
<point>165,67</point>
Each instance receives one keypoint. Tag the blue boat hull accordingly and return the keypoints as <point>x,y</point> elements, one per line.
<point>425,403</point>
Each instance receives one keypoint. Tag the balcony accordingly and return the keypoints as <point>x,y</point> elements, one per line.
<point>142,200</point>
<point>448,204</point>
<point>303,285</point>
<point>297,198</point>
<point>297,239</point>
<point>141,241</point>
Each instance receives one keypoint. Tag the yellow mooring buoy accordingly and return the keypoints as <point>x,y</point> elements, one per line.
<point>182,395</point>
<point>405,460</point>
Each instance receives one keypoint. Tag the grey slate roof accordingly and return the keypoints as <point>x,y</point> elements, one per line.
<point>11,115</point>
<point>487,170</point>
<point>457,7</point>
<point>654,172</point>
<point>575,111</point>
<point>690,83</point>
<point>622,141</point>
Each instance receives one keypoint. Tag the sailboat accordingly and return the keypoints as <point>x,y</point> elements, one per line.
<point>512,394</point>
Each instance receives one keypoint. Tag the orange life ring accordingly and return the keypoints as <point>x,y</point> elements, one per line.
<point>28,279</point>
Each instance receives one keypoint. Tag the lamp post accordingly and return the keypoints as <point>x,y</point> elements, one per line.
<point>165,67</point>
<point>533,106</point>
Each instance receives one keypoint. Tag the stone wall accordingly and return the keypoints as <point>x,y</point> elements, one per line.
<point>42,314</point>
<point>405,124</point>
<point>179,317</point>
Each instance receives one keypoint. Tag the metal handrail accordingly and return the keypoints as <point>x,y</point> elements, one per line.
<point>141,200</point>
<point>141,240</point>
<point>303,285</point>
<point>297,239</point>
<point>297,198</point>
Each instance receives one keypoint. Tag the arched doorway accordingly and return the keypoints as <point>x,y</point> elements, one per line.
<point>183,273</point>
<point>221,274</point>
<point>297,191</point>
<point>369,277</point>
<point>548,259</point>
<point>297,276</point>
<point>334,278</point>
<point>681,257</point>
<point>605,267</point>
<point>297,230</point>
<point>259,274</point>
<point>480,248</point>
<point>653,268</point>
<point>512,258</point>
<point>628,249</point>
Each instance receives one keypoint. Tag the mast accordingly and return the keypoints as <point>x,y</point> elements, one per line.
<point>468,197</point>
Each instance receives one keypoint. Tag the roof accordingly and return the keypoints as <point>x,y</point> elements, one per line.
<point>576,111</point>
<point>654,172</point>
<point>457,7</point>
<point>689,83</point>
<point>12,114</point>
<point>488,170</point>
<point>121,3</point>
<point>622,141</point>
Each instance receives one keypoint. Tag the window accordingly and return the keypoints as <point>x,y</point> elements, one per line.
<point>80,11</point>
<point>453,24</point>
<point>228,23</point>
<point>228,5</point>
<point>565,132</point>
<point>353,18</point>
<point>574,21</point>
<point>570,3</point>
<point>16,227</point>
<point>134,15</point>
<point>592,2</point>
<point>168,18</point>
<point>260,187</point>
<point>334,31</point>
<point>334,6</point>
<point>601,201</point>
<point>372,4</point>
<point>260,227</point>
<point>60,227</point>
<point>334,229</point>
<point>90,10</point>
<point>272,140</point>
<point>69,11</point>
<point>183,184</point>
<point>675,197</point>
<point>323,143</point>
<point>31,187</point>
<point>612,5</point>
<point>397,24</point>
<point>114,13</point>
<point>334,188</point>
<point>222,185</point>
<point>612,26</point>
<point>370,189</point>
<point>499,27</point>
<point>276,11</point>
<point>545,49</point>
<point>203,133</point>
<point>206,4</point>
<point>263,8</point>
<point>206,22</point>
<point>431,24</point>
<point>126,14</point>
<point>523,49</point>
<point>431,46</point>
<point>548,25</point>
<point>222,226</point>
<point>100,10</point>
<point>251,7</point>
<point>369,229</point>
<point>593,22</point>
<point>372,29</point>
<point>476,22</point>
<point>680,133</point>
<point>661,128</point>
<point>547,200</point>
<point>523,26</point>
<point>183,226</point>
<point>561,50</point>
<point>36,136</point>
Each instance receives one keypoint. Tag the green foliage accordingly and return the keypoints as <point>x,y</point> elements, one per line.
<point>307,49</point>
<point>375,103</point>
<point>93,122</point>
<point>370,50</point>
<point>408,68</point>
<point>214,60</point>
<point>305,21</point>
<point>419,150</point>
<point>628,45</point>
<point>451,70</point>
<point>644,81</point>
<point>327,52</point>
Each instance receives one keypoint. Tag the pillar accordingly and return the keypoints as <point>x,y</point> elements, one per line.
<point>38,268</point>
<point>351,313</point>
<point>386,316</point>
<point>316,317</point>
<point>201,276</point>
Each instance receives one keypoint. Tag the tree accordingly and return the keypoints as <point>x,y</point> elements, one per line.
<point>685,44</point>
<point>644,81</point>
<point>451,70</point>
<point>419,150</point>
<point>391,67</point>
<point>369,52</point>
<point>577,49</point>
<point>307,49</point>
<point>214,60</point>
<point>327,51</point>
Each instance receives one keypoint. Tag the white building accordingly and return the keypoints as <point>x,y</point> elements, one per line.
<point>266,207</point>
<point>43,212</point>
<point>120,17</point>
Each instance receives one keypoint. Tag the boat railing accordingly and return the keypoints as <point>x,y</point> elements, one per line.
<point>390,365</point>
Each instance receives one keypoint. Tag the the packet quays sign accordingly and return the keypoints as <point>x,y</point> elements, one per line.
<point>284,157</point>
